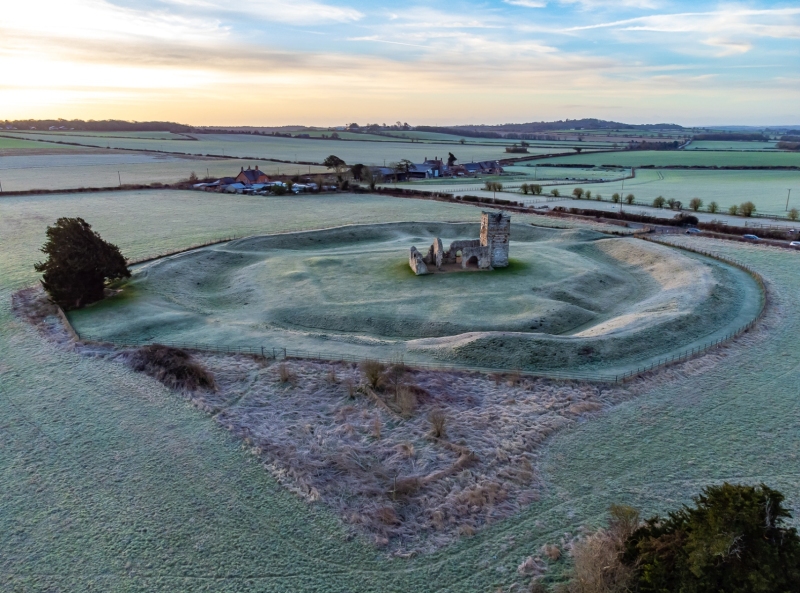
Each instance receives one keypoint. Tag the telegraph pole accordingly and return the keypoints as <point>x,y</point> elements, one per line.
<point>119,178</point>
<point>787,200</point>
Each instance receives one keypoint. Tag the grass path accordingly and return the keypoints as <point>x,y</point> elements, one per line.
<point>112,483</point>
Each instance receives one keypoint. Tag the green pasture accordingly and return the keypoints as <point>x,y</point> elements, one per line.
<point>730,145</point>
<point>21,143</point>
<point>768,190</point>
<point>113,483</point>
<point>681,158</point>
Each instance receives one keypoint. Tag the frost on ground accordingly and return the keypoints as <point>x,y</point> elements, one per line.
<point>412,459</point>
<point>426,458</point>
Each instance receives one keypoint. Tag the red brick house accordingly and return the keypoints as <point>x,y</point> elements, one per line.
<point>250,176</point>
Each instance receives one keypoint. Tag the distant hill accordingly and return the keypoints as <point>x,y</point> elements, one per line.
<point>568,124</point>
<point>108,125</point>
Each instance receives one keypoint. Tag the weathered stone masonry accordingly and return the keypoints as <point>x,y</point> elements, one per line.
<point>490,251</point>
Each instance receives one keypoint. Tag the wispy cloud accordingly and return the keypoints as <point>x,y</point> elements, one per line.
<point>301,12</point>
<point>526,3</point>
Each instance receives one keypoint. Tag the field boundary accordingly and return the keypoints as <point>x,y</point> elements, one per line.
<point>281,353</point>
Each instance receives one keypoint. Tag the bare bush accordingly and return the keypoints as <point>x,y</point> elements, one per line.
<point>373,371</point>
<point>438,421</point>
<point>406,402</point>
<point>285,374</point>
<point>172,367</point>
<point>598,557</point>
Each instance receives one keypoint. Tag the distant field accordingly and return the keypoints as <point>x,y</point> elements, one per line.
<point>675,158</point>
<point>107,169</point>
<point>18,144</point>
<point>295,149</point>
<point>730,145</point>
<point>766,189</point>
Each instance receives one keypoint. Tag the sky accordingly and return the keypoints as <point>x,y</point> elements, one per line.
<point>331,62</point>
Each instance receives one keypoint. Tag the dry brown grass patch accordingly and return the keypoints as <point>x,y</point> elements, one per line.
<point>173,367</point>
<point>438,423</point>
<point>373,373</point>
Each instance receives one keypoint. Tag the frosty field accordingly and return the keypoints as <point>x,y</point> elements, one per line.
<point>103,168</point>
<point>290,149</point>
<point>113,483</point>
<point>570,302</point>
<point>683,158</point>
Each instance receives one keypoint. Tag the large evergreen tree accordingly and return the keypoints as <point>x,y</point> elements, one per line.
<point>79,263</point>
<point>733,541</point>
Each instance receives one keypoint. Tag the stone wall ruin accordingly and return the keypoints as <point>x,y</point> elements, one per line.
<point>488,252</point>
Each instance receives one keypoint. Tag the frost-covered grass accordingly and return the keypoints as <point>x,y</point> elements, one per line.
<point>112,483</point>
<point>107,168</point>
<point>569,303</point>
<point>289,149</point>
<point>688,158</point>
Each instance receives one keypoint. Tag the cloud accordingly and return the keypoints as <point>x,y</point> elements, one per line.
<point>598,4</point>
<point>763,23</point>
<point>299,12</point>
<point>729,47</point>
<point>526,3</point>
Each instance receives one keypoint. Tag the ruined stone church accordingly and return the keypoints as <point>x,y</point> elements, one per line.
<point>486,253</point>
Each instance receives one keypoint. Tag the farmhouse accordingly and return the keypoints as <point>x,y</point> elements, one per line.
<point>488,252</point>
<point>250,176</point>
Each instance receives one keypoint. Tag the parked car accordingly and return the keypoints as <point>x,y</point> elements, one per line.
<point>693,231</point>
<point>750,237</point>
<point>795,244</point>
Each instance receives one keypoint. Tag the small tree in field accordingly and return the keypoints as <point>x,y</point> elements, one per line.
<point>713,207</point>
<point>536,189</point>
<point>793,214</point>
<point>616,198</point>
<point>695,204</point>
<point>747,209</point>
<point>525,188</point>
<point>659,202</point>
<point>589,195</point>
<point>578,193</point>
<point>79,263</point>
<point>629,199</point>
<point>555,193</point>
<point>733,210</point>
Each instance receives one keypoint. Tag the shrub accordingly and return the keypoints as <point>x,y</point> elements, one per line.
<point>598,197</point>
<point>597,558</point>
<point>589,194</point>
<point>536,189</point>
<point>659,202</point>
<point>406,401</point>
<point>373,371</point>
<point>555,193</point>
<point>172,367</point>
<point>630,198</point>
<point>747,209</point>
<point>438,422</point>
<point>793,214</point>
<point>733,210</point>
<point>732,540</point>
<point>578,193</point>
<point>695,204</point>
<point>713,207</point>
<point>395,375</point>
<point>284,374</point>
<point>615,198</point>
<point>79,263</point>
